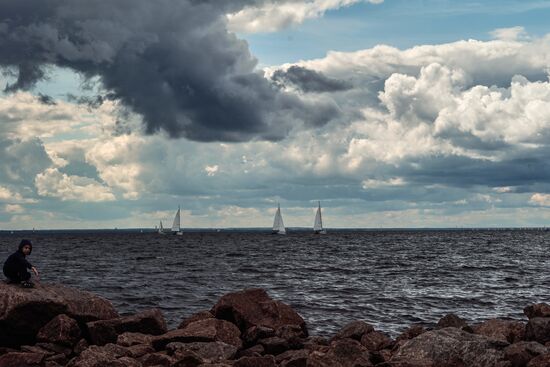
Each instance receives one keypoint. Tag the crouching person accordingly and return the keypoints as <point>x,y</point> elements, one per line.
<point>16,265</point>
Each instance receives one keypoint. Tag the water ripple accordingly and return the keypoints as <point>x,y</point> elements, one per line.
<point>388,278</point>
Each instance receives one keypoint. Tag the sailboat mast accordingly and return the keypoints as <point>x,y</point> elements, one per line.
<point>320,216</point>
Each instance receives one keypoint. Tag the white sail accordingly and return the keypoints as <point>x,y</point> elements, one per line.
<point>161,228</point>
<point>278,225</point>
<point>176,224</point>
<point>318,224</point>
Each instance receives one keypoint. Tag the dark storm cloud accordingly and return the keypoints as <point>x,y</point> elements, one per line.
<point>171,61</point>
<point>518,169</point>
<point>45,99</point>
<point>309,80</point>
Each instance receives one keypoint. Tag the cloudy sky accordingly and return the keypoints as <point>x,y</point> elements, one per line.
<point>392,113</point>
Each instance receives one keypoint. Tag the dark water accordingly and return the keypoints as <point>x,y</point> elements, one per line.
<point>388,278</point>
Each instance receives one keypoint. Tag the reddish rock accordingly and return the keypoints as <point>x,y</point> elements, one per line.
<point>540,361</point>
<point>538,329</point>
<point>80,346</point>
<point>293,358</point>
<point>157,359</point>
<point>254,351</point>
<point>411,332</point>
<point>146,322</point>
<point>315,342</point>
<point>208,330</point>
<point>290,332</point>
<point>341,353</point>
<point>213,351</point>
<point>36,349</point>
<point>128,339</point>
<point>129,362</point>
<point>375,341</point>
<point>452,320</point>
<point>265,361</point>
<point>354,330</point>
<point>203,315</point>
<point>187,358</point>
<point>23,312</point>
<point>253,307</point>
<point>55,348</point>
<point>519,354</point>
<point>139,350</point>
<point>21,359</point>
<point>293,335</point>
<point>450,347</point>
<point>4,350</point>
<point>96,356</point>
<point>61,329</point>
<point>505,330</point>
<point>537,310</point>
<point>274,345</point>
<point>382,356</point>
<point>61,359</point>
<point>255,333</point>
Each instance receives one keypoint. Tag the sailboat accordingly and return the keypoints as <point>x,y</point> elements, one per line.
<point>278,225</point>
<point>176,225</point>
<point>161,228</point>
<point>318,224</point>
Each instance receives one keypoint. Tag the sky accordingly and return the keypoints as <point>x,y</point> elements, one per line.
<point>391,113</point>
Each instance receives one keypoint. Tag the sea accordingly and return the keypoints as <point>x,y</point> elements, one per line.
<point>389,278</point>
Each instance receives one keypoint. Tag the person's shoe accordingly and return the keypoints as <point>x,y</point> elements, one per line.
<point>26,284</point>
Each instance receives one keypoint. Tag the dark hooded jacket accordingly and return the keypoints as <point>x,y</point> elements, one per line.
<point>16,262</point>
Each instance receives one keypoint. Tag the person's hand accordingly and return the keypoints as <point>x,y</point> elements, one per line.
<point>34,271</point>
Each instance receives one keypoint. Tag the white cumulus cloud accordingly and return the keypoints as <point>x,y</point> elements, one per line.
<point>510,34</point>
<point>211,170</point>
<point>53,183</point>
<point>275,15</point>
<point>540,199</point>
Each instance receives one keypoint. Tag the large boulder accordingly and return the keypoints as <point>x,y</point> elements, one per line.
<point>24,311</point>
<point>208,330</point>
<point>452,320</point>
<point>376,340</point>
<point>538,329</point>
<point>253,307</point>
<point>540,361</point>
<point>354,330</point>
<point>537,310</point>
<point>264,361</point>
<point>195,317</point>
<point>519,354</point>
<point>341,353</point>
<point>450,347</point>
<point>147,322</point>
<point>506,330</point>
<point>61,330</point>
<point>103,356</point>
<point>21,359</point>
<point>212,351</point>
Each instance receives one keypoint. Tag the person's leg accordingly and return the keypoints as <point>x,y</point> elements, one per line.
<point>25,280</point>
<point>13,277</point>
<point>25,276</point>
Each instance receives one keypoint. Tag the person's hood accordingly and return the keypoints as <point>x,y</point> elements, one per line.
<point>24,243</point>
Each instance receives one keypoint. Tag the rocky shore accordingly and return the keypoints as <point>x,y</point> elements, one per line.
<point>53,325</point>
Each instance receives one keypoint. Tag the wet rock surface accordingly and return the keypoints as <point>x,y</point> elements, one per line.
<point>250,329</point>
<point>23,312</point>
